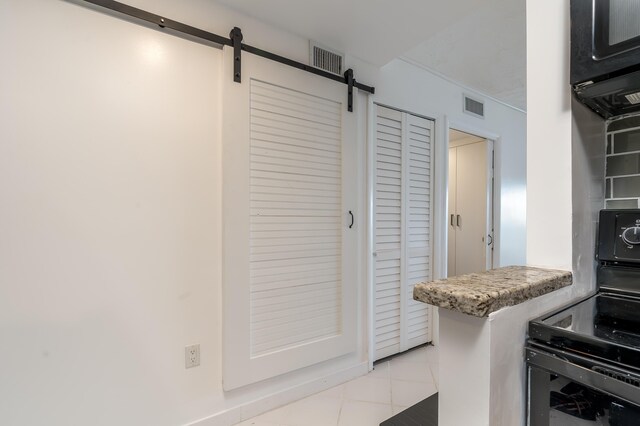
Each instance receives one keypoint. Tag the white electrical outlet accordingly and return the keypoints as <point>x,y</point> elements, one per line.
<point>192,356</point>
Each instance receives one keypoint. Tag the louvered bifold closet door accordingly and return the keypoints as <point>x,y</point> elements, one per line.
<point>289,269</point>
<point>402,234</point>
<point>419,225</point>
<point>388,232</point>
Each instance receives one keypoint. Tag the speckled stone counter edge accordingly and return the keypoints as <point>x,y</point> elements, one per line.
<point>486,292</point>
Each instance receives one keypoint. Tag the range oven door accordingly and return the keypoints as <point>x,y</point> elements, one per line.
<point>565,389</point>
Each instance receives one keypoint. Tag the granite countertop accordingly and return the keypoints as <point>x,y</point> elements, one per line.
<point>486,292</point>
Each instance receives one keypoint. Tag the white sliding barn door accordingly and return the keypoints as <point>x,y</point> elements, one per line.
<point>290,263</point>
<point>402,234</point>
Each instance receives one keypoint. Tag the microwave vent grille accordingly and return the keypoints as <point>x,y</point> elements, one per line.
<point>633,98</point>
<point>473,107</point>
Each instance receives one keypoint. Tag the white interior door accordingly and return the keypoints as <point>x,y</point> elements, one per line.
<point>402,234</point>
<point>471,207</point>
<point>388,250</point>
<point>451,227</point>
<point>470,223</point>
<point>419,228</point>
<point>289,164</point>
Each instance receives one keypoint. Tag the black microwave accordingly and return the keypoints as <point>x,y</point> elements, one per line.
<point>605,55</point>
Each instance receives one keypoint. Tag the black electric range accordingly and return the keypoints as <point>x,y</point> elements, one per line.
<point>583,362</point>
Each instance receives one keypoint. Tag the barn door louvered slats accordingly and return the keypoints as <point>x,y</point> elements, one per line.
<point>295,215</point>
<point>289,269</point>
<point>403,176</point>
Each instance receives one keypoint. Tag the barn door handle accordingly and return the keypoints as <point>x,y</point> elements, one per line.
<point>458,220</point>
<point>352,220</point>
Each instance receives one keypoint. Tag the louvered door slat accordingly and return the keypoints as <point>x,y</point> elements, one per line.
<point>290,175</point>
<point>270,137</point>
<point>293,98</point>
<point>388,218</point>
<point>419,217</point>
<point>288,180</point>
<point>282,119</point>
<point>402,202</point>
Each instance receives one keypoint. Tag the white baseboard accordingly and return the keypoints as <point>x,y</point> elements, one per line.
<point>269,402</point>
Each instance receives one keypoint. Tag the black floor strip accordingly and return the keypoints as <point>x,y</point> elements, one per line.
<point>424,413</point>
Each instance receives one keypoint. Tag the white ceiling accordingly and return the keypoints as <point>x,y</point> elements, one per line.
<point>457,138</point>
<point>485,51</point>
<point>479,43</point>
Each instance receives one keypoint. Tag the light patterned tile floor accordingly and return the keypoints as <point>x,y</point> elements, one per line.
<point>366,401</point>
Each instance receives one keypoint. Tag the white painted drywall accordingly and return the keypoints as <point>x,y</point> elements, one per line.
<point>565,155</point>
<point>482,364</point>
<point>588,159</point>
<point>110,253</point>
<point>508,337</point>
<point>110,216</point>
<point>565,169</point>
<point>110,224</point>
<point>406,86</point>
<point>424,93</point>
<point>548,135</point>
<point>457,138</point>
<point>493,39</point>
<point>372,29</point>
<point>464,370</point>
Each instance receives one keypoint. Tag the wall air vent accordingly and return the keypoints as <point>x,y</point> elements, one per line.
<point>326,59</point>
<point>473,107</point>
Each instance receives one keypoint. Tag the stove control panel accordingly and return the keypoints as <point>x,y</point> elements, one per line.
<point>628,236</point>
<point>631,235</point>
<point>619,235</point>
<point>618,252</point>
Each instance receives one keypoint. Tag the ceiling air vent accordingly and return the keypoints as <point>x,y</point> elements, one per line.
<point>326,59</point>
<point>473,107</point>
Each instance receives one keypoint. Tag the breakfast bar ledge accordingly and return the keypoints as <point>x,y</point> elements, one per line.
<point>482,323</point>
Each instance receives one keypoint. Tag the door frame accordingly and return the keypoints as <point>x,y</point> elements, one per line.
<point>370,234</point>
<point>492,202</point>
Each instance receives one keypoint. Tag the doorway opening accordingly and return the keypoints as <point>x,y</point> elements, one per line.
<point>470,231</point>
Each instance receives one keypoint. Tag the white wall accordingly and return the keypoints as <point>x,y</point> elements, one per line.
<point>565,155</point>
<point>405,86</point>
<point>565,169</point>
<point>110,218</point>
<point>548,135</point>
<point>110,251</point>
<point>587,196</point>
<point>464,370</point>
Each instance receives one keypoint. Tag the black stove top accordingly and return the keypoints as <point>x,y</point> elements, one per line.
<point>583,361</point>
<point>607,324</point>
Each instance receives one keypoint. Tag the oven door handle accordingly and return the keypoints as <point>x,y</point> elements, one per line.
<point>562,366</point>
